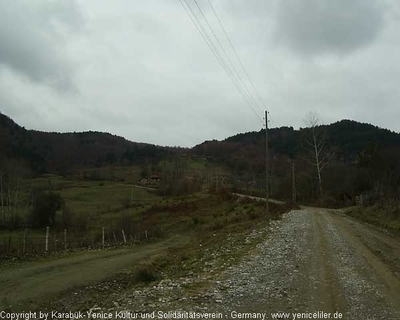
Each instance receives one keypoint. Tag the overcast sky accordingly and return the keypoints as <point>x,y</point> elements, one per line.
<point>141,70</point>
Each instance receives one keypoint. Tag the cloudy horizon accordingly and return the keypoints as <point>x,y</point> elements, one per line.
<point>142,71</point>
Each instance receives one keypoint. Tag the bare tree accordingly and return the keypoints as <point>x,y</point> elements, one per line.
<point>317,156</point>
<point>11,175</point>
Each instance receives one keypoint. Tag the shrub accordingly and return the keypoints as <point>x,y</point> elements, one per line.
<point>80,222</point>
<point>45,206</point>
<point>147,273</point>
<point>196,221</point>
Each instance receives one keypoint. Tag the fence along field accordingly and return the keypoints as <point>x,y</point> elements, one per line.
<point>28,242</point>
<point>108,209</point>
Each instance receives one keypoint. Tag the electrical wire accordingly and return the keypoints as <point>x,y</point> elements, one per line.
<point>221,59</point>
<point>236,54</point>
<point>247,92</point>
<point>201,29</point>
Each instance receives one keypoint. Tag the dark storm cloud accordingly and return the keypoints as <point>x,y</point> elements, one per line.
<point>32,34</point>
<point>313,27</point>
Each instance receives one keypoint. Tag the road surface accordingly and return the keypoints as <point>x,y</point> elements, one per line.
<point>24,285</point>
<point>310,261</point>
<point>315,260</point>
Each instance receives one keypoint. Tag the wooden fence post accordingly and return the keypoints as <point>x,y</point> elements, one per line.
<point>65,239</point>
<point>146,235</point>
<point>9,243</point>
<point>102,237</point>
<point>46,247</point>
<point>24,242</point>
<point>123,235</point>
<point>115,238</point>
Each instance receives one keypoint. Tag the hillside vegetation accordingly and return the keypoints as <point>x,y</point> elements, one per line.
<point>366,161</point>
<point>363,162</point>
<point>52,152</point>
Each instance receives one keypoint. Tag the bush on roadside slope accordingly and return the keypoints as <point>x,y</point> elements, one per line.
<point>383,215</point>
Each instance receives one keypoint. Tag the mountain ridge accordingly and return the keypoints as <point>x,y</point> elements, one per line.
<point>49,152</point>
<point>54,151</point>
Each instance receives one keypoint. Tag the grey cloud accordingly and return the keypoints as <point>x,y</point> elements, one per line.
<point>32,36</point>
<point>340,27</point>
<point>144,72</point>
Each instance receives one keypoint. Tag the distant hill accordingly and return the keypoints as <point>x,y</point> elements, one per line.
<point>366,161</point>
<point>366,158</point>
<point>247,150</point>
<point>48,152</point>
<point>55,152</point>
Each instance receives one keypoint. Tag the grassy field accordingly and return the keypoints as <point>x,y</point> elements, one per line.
<point>125,211</point>
<point>90,204</point>
<point>164,235</point>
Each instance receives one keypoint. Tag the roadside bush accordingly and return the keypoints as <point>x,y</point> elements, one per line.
<point>157,232</point>
<point>81,222</point>
<point>180,187</point>
<point>196,221</point>
<point>218,225</point>
<point>68,216</point>
<point>253,215</point>
<point>147,273</point>
<point>45,206</point>
<point>126,222</point>
<point>16,222</point>
<point>328,201</point>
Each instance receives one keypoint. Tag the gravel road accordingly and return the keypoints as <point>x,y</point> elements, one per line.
<point>312,260</point>
<point>317,260</point>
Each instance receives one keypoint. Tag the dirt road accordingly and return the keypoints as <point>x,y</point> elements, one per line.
<point>312,260</point>
<point>25,285</point>
<point>316,260</point>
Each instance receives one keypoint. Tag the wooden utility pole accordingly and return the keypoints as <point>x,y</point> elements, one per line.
<point>293,184</point>
<point>266,164</point>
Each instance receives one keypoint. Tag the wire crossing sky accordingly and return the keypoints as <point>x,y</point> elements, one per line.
<point>139,69</point>
<point>225,62</point>
<point>238,58</point>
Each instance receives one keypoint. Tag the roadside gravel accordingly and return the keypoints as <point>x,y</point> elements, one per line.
<point>311,260</point>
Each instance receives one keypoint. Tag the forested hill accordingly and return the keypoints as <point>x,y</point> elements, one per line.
<point>354,145</point>
<point>348,138</point>
<point>361,159</point>
<point>48,152</point>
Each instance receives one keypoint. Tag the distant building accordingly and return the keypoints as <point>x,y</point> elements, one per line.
<point>151,180</point>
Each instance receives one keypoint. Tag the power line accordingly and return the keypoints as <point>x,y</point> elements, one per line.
<point>221,59</point>
<point>213,47</point>
<point>237,56</point>
<point>199,26</point>
<point>248,94</point>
